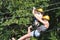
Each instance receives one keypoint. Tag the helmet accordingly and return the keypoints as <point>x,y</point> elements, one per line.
<point>46,17</point>
<point>40,10</point>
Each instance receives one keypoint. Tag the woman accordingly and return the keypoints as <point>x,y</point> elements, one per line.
<point>44,27</point>
<point>40,13</point>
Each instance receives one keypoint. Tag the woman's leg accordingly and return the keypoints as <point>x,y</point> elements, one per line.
<point>25,36</point>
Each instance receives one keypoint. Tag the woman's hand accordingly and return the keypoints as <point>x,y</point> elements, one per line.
<point>36,13</point>
<point>34,10</point>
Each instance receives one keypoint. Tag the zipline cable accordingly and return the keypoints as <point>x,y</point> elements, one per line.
<point>54,4</point>
<point>52,9</point>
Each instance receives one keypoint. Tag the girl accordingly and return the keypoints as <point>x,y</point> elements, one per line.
<point>44,27</point>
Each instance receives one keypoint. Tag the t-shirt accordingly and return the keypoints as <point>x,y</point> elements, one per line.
<point>41,28</point>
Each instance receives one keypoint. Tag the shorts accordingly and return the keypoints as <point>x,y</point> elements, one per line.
<point>35,33</point>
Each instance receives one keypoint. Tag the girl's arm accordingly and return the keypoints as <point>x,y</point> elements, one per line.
<point>29,29</point>
<point>39,18</point>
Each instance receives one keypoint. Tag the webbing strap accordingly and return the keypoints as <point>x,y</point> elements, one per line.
<point>34,34</point>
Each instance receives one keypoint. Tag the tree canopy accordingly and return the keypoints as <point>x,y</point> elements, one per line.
<point>16,16</point>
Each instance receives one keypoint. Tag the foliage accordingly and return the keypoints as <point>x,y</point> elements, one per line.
<point>15,15</point>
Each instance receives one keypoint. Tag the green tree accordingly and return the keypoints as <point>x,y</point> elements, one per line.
<point>15,15</point>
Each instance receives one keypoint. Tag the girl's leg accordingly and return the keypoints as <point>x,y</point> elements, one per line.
<point>28,39</point>
<point>25,36</point>
<point>29,31</point>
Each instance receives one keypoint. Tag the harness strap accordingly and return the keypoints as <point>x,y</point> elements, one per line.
<point>34,34</point>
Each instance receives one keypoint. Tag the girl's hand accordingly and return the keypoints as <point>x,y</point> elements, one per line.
<point>30,27</point>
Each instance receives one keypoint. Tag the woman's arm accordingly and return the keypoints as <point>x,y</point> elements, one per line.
<point>34,10</point>
<point>37,13</point>
<point>39,18</point>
